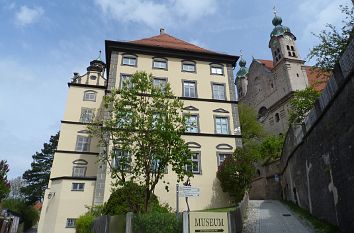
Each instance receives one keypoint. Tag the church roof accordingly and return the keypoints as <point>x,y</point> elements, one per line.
<point>166,41</point>
<point>317,79</point>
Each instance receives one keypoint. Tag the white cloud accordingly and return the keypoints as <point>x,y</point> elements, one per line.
<point>156,14</point>
<point>27,15</point>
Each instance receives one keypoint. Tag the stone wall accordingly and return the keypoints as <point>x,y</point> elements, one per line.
<point>317,163</point>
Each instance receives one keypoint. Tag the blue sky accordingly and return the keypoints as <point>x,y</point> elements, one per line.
<point>43,42</point>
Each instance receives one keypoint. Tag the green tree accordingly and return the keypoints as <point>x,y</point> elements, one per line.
<point>141,131</point>
<point>28,213</point>
<point>333,42</point>
<point>252,130</point>
<point>271,147</point>
<point>37,177</point>
<point>301,104</point>
<point>236,173</point>
<point>4,183</point>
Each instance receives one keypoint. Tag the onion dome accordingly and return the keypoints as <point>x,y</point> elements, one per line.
<point>279,29</point>
<point>243,69</point>
<point>97,64</point>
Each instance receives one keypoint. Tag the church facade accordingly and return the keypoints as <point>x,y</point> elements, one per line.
<point>202,79</point>
<point>268,85</point>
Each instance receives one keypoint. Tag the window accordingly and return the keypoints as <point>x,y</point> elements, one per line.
<point>90,96</point>
<point>78,187</point>
<point>221,125</point>
<point>125,81</point>
<point>192,124</point>
<point>216,69</point>
<point>82,143</point>
<point>124,119</point>
<point>121,159</point>
<point>86,115</point>
<point>292,48</point>
<point>195,167</point>
<point>189,89</point>
<point>218,91</point>
<point>155,166</point>
<point>160,83</point>
<point>159,63</point>
<point>70,222</point>
<point>79,171</point>
<point>277,118</point>
<point>129,60</point>
<point>222,157</point>
<point>188,66</point>
<point>288,47</point>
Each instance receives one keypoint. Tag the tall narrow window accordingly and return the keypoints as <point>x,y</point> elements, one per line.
<point>195,167</point>
<point>221,125</point>
<point>222,157</point>
<point>86,115</point>
<point>219,91</point>
<point>160,83</point>
<point>82,143</point>
<point>125,81</point>
<point>277,118</point>
<point>188,66</point>
<point>189,89</point>
<point>121,160</point>
<point>129,60</point>
<point>90,96</point>
<point>192,124</point>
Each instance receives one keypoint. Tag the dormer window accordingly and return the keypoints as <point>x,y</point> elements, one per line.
<point>159,63</point>
<point>129,60</point>
<point>188,66</point>
<point>216,69</point>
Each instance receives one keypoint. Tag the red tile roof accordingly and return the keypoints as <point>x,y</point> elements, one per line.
<point>316,79</point>
<point>166,41</point>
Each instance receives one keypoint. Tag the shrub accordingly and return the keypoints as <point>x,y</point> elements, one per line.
<point>29,215</point>
<point>155,222</point>
<point>84,223</point>
<point>130,198</point>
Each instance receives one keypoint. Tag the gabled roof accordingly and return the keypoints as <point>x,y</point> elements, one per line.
<point>317,79</point>
<point>166,41</point>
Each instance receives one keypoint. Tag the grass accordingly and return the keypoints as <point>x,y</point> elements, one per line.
<point>319,225</point>
<point>224,209</point>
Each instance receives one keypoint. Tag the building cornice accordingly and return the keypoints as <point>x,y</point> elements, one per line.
<point>86,85</point>
<point>77,123</point>
<point>76,152</point>
<point>74,178</point>
<point>213,135</point>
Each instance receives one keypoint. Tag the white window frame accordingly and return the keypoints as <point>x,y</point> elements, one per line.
<point>216,69</point>
<point>222,156</point>
<point>79,171</point>
<point>118,154</point>
<point>90,96</point>
<point>192,126</point>
<point>123,78</point>
<point>219,91</point>
<point>70,223</point>
<point>160,83</point>
<point>159,63</point>
<point>222,125</point>
<point>196,159</point>
<point>77,186</point>
<point>187,87</point>
<point>82,143</point>
<point>129,60</point>
<point>189,66</point>
<point>86,115</point>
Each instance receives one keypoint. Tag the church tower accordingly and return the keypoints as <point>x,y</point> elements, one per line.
<point>287,62</point>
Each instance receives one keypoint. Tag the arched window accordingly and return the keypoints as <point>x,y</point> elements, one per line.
<point>79,168</point>
<point>217,69</point>
<point>129,60</point>
<point>277,118</point>
<point>262,112</point>
<point>90,95</point>
<point>159,63</point>
<point>189,66</point>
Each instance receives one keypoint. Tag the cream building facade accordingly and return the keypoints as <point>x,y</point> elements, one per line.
<point>268,85</point>
<point>201,78</point>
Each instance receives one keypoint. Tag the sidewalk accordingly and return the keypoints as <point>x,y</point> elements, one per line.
<point>271,216</point>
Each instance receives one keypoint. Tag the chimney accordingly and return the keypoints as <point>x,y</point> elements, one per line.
<point>162,31</point>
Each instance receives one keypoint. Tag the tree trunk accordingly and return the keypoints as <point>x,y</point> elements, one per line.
<point>146,201</point>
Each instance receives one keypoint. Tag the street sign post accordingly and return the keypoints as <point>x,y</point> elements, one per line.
<point>185,191</point>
